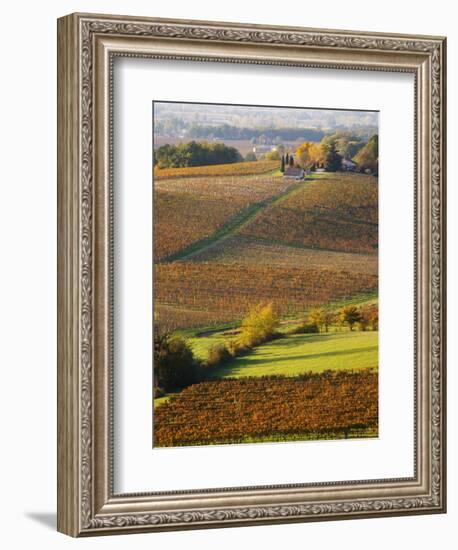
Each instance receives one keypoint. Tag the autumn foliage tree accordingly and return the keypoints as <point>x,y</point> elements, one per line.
<point>303,155</point>
<point>218,354</point>
<point>309,155</point>
<point>367,157</point>
<point>363,322</point>
<point>316,316</point>
<point>350,315</point>
<point>373,319</point>
<point>322,318</point>
<point>328,318</point>
<point>259,325</point>
<point>369,318</point>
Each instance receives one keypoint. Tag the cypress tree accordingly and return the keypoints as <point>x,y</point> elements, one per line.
<point>291,160</point>
<point>287,159</point>
<point>332,160</point>
<point>282,166</point>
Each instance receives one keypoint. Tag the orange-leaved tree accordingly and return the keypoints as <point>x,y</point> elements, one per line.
<point>350,315</point>
<point>259,325</point>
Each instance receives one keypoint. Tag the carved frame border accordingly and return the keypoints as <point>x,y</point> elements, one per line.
<point>87,46</point>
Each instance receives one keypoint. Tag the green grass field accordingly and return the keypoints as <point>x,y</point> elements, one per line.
<point>300,353</point>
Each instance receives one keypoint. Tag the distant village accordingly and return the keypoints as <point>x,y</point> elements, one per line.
<point>334,153</point>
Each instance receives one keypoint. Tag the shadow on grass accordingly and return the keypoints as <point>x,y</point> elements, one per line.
<point>251,361</point>
<point>291,340</point>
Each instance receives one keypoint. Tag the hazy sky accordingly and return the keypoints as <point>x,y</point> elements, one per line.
<point>256,116</point>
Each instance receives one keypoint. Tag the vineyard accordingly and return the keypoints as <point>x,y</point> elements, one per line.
<point>347,196</point>
<point>337,212</point>
<point>175,317</point>
<point>233,169</point>
<point>271,408</point>
<point>225,291</point>
<point>249,250</point>
<point>188,210</point>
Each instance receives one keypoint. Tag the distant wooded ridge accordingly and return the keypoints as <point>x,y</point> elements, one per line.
<point>261,135</point>
<point>267,134</point>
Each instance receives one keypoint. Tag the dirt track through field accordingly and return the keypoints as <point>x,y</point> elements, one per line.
<point>234,225</point>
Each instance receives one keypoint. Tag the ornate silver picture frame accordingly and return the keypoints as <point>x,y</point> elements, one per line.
<point>87,46</point>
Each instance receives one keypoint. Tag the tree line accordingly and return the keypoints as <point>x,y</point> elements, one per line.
<point>194,153</point>
<point>321,319</point>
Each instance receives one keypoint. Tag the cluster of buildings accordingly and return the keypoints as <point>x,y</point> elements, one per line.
<point>298,173</point>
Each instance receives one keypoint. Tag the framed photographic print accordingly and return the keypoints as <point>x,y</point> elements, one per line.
<point>251,274</point>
